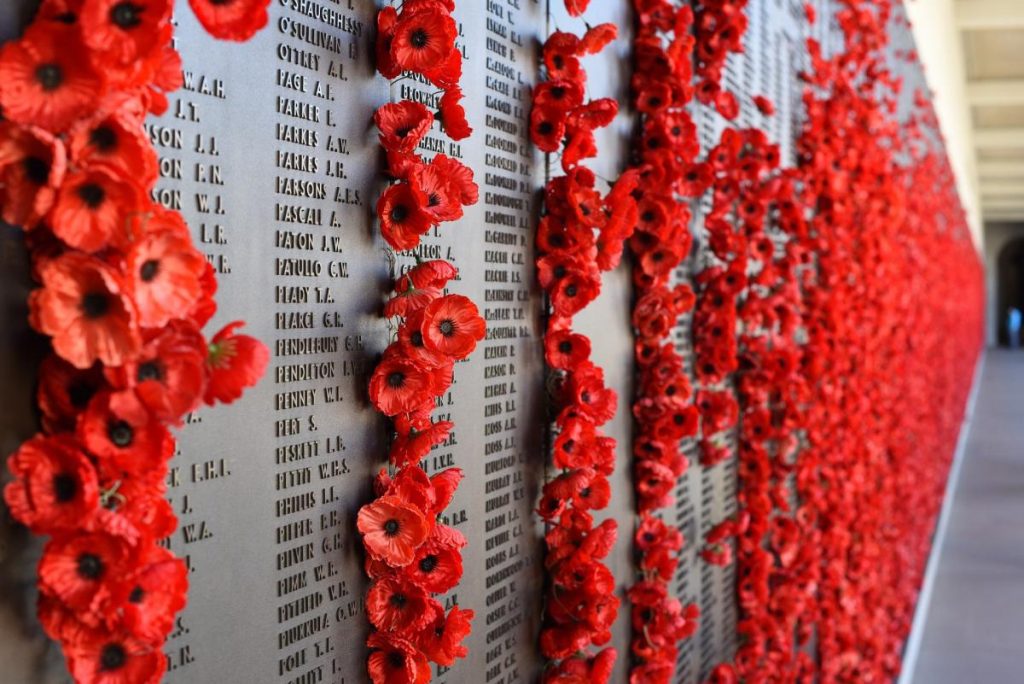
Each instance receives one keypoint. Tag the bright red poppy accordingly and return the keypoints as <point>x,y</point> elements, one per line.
<point>234,363</point>
<point>82,306</point>
<point>231,19</point>
<point>392,530</point>
<point>47,78</point>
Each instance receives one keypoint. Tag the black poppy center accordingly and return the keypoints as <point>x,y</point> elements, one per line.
<point>416,338</point>
<point>396,380</point>
<point>112,657</point>
<point>95,305</point>
<point>560,271</point>
<point>149,270</point>
<point>585,492</point>
<point>447,327</point>
<point>79,394</point>
<point>36,170</point>
<point>64,487</point>
<point>419,38</point>
<point>126,15</point>
<point>149,371</point>
<point>428,563</point>
<point>137,595</point>
<point>104,138</point>
<point>571,291</point>
<point>120,433</point>
<point>397,600</point>
<point>545,128</point>
<point>391,528</point>
<point>91,194</point>
<point>49,76</point>
<point>399,213</point>
<point>90,566</point>
<point>565,346</point>
<point>396,660</point>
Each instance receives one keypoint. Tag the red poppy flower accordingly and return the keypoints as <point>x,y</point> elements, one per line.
<point>83,570</point>
<point>434,194</point>
<point>460,179</point>
<point>402,125</point>
<point>427,274</point>
<point>205,307</point>
<point>402,218</point>
<point>117,430</point>
<point>150,597</point>
<point>452,326</point>
<point>395,660</point>
<point>122,32</point>
<point>65,391</point>
<point>95,208</point>
<point>231,19</point>
<point>588,395</point>
<point>395,604</point>
<point>82,307</point>
<point>564,349</point>
<point>46,78</point>
<point>424,37</point>
<point>412,444</point>
<point>168,376</point>
<point>576,8</point>
<point>392,530</point>
<point>141,502</point>
<point>453,116</point>
<point>55,485</point>
<point>115,137</point>
<point>164,269</point>
<point>764,105</point>
<point>101,657</point>
<point>400,385</point>
<point>442,640</point>
<point>32,165</point>
<point>547,128</point>
<point>438,563</point>
<point>234,363</point>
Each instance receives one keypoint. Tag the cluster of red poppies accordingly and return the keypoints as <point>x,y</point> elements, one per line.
<point>581,234</point>
<point>123,297</point>
<point>409,553</point>
<point>419,41</point>
<point>752,381</point>
<point>869,306</point>
<point>665,157</point>
<point>719,30</point>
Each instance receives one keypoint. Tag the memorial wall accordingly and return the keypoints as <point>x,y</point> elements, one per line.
<point>269,152</point>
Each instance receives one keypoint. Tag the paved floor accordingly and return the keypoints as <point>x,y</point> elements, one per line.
<point>974,629</point>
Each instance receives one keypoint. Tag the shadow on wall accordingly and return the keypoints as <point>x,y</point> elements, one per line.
<point>1010,292</point>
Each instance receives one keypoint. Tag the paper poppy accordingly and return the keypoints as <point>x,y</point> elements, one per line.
<point>82,306</point>
<point>392,530</point>
<point>231,19</point>
<point>402,125</point>
<point>113,658</point>
<point>424,37</point>
<point>452,326</point>
<point>402,218</point>
<point>164,269</point>
<point>396,660</point>
<point>55,486</point>
<point>397,605</point>
<point>32,167</point>
<point>46,78</point>
<point>452,115</point>
<point>234,363</point>
<point>123,436</point>
<point>95,208</point>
